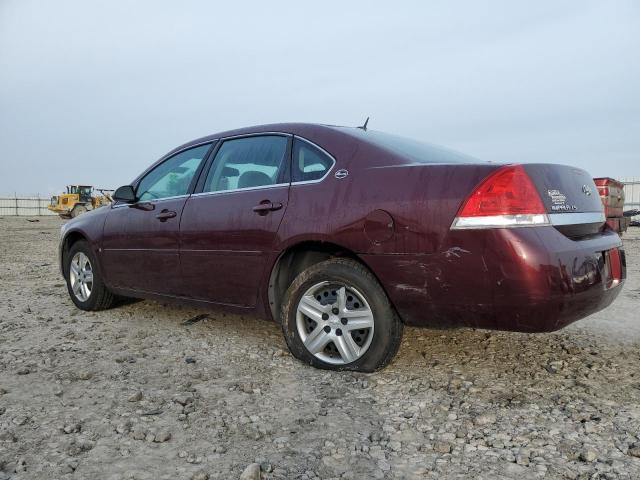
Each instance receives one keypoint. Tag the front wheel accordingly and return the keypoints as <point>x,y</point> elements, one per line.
<point>78,210</point>
<point>84,280</point>
<point>335,315</point>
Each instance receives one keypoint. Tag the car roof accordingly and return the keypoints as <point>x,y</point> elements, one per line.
<point>301,129</point>
<point>345,142</point>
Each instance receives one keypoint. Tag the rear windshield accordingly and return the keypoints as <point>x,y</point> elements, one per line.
<point>414,150</point>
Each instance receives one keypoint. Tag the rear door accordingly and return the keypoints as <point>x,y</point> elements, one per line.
<point>141,240</point>
<point>230,225</point>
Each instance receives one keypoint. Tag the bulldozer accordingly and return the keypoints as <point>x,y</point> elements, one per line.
<point>79,199</point>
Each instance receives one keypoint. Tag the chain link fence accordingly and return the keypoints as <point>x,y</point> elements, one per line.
<point>35,206</point>
<point>632,195</point>
<point>24,206</point>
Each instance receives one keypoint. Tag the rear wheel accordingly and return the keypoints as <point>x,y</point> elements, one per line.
<point>335,315</point>
<point>84,280</point>
<point>78,210</point>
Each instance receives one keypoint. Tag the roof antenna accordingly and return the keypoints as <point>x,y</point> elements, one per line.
<point>364,127</point>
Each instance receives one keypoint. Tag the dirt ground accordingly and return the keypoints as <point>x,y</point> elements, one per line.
<point>133,393</point>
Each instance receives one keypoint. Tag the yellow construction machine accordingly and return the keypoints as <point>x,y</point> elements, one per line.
<point>79,199</point>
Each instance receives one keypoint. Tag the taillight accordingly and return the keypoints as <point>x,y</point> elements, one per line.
<point>612,258</point>
<point>506,198</point>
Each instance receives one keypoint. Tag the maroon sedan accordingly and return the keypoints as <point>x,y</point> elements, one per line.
<point>344,235</point>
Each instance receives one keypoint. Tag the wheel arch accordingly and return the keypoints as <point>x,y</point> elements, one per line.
<point>300,256</point>
<point>67,242</point>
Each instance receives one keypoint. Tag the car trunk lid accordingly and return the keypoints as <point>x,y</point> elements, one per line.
<point>570,197</point>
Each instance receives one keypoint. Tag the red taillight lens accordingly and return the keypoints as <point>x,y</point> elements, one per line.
<point>507,191</point>
<point>615,265</point>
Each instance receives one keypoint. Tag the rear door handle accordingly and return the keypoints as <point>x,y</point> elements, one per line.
<point>267,206</point>
<point>165,215</point>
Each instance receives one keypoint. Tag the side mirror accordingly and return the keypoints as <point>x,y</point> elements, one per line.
<point>125,194</point>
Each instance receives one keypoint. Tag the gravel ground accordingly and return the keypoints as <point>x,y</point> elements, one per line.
<point>133,393</point>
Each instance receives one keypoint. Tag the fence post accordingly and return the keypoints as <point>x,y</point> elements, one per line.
<point>15,194</point>
<point>39,206</point>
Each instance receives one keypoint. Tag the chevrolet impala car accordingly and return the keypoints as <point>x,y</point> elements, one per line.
<point>344,235</point>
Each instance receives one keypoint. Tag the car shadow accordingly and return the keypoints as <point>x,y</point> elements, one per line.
<point>503,367</point>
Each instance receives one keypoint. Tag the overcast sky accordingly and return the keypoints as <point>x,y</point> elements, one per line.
<point>94,91</point>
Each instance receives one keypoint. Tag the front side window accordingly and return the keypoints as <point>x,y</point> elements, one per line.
<point>247,163</point>
<point>85,193</point>
<point>173,176</point>
<point>309,162</point>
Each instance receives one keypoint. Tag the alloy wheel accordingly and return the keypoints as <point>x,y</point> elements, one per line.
<point>335,322</point>
<point>81,276</point>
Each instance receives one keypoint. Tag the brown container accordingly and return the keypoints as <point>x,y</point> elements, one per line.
<point>611,193</point>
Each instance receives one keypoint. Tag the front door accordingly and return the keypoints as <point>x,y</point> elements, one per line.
<point>228,228</point>
<point>141,240</point>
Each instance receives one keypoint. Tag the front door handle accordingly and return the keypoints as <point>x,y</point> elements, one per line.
<point>267,206</point>
<point>165,215</point>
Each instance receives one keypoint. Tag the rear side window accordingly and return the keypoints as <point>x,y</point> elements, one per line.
<point>309,162</point>
<point>247,163</point>
<point>173,176</point>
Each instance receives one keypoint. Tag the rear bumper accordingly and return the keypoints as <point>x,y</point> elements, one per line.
<point>522,279</point>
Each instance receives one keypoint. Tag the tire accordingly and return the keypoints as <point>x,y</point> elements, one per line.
<point>78,210</point>
<point>345,288</point>
<point>98,297</point>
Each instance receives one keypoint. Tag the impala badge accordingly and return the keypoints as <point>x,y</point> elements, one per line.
<point>557,197</point>
<point>558,200</point>
<point>342,173</point>
<point>586,190</point>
